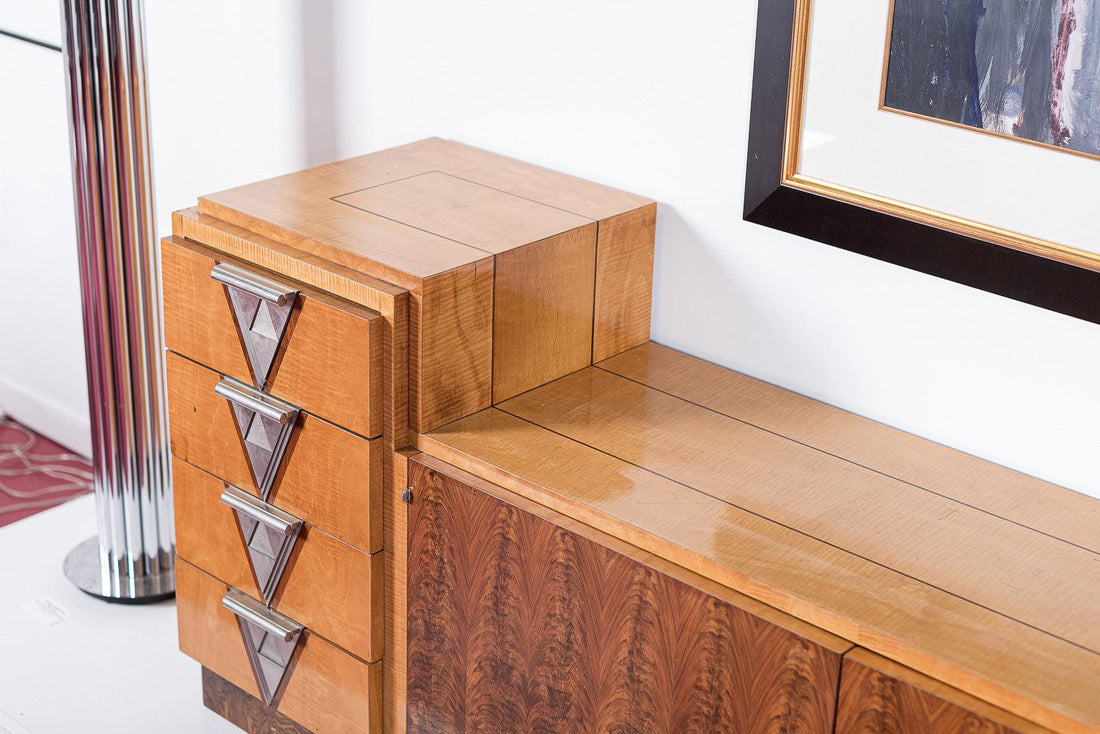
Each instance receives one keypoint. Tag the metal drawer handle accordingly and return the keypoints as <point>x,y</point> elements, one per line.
<point>270,639</point>
<point>256,401</point>
<point>257,285</point>
<point>256,613</point>
<point>260,511</point>
<point>269,537</point>
<point>265,424</point>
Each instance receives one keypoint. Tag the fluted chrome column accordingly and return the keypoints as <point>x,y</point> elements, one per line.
<point>131,558</point>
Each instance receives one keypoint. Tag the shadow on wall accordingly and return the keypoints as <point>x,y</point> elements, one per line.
<point>322,139</point>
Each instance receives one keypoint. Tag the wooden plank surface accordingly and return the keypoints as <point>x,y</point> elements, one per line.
<point>1017,497</point>
<point>329,586</point>
<point>329,477</point>
<point>542,315</point>
<point>300,209</point>
<point>1027,576</point>
<point>330,360</point>
<point>1012,665</point>
<point>624,281</point>
<point>878,696</point>
<point>327,690</point>
<point>518,624</point>
<point>466,212</point>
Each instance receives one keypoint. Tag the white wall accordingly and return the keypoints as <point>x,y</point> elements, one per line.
<point>653,98</point>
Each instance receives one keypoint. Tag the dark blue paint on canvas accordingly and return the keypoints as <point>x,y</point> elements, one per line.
<point>1027,68</point>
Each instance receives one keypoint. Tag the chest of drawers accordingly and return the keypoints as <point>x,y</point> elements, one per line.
<point>316,323</point>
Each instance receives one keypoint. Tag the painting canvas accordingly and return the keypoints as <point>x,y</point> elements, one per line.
<point>1025,68</point>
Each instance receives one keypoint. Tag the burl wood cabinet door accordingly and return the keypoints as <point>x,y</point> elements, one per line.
<point>516,624</point>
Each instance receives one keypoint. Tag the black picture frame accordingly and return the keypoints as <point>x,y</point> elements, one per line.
<point>1021,276</point>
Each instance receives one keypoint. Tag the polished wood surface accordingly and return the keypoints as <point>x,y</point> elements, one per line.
<point>329,586</point>
<point>878,696</point>
<point>624,281</point>
<point>1003,612</point>
<point>244,711</point>
<point>302,209</point>
<point>330,360</point>
<point>396,565</point>
<point>329,478</point>
<point>1030,577</point>
<point>518,624</point>
<point>460,210</point>
<point>995,489</point>
<point>327,689</point>
<point>451,346</point>
<point>542,322</point>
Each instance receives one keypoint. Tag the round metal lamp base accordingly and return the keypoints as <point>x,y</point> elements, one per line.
<point>83,567</point>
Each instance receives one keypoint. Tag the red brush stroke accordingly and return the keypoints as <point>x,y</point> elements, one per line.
<point>1067,24</point>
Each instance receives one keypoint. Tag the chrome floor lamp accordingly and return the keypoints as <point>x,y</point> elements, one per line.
<point>131,558</point>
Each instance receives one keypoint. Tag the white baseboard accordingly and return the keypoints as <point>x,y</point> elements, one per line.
<point>38,412</point>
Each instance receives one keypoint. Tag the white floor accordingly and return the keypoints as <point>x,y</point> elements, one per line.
<point>71,663</point>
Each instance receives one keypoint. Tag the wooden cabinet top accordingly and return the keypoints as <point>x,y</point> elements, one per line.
<point>977,575</point>
<point>415,211</point>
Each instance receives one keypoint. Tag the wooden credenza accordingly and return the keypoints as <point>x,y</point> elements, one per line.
<point>431,475</point>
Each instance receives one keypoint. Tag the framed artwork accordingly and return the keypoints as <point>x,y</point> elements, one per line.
<point>960,138</point>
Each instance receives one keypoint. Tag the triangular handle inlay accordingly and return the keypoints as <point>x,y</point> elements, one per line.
<point>269,537</point>
<point>264,424</point>
<point>270,639</point>
<point>261,308</point>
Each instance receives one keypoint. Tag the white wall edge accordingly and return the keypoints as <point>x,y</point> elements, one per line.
<point>41,414</point>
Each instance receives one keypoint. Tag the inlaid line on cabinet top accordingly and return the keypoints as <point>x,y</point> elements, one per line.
<point>810,446</point>
<point>1027,501</point>
<point>805,534</point>
<point>1031,577</point>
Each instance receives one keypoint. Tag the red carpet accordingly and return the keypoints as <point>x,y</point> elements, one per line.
<point>36,473</point>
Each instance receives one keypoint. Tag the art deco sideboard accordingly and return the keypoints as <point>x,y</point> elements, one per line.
<point>431,475</point>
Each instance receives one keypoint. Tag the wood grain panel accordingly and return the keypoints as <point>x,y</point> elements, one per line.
<point>878,696</point>
<point>297,210</point>
<point>395,662</point>
<point>624,281</point>
<point>516,624</point>
<point>451,346</point>
<point>542,322</point>
<point>244,711</point>
<point>1027,576</point>
<point>1017,497</point>
<point>1013,666</point>
<point>330,478</point>
<point>543,185</point>
<point>465,212</point>
<point>329,586</point>
<point>327,690</point>
<point>330,363</point>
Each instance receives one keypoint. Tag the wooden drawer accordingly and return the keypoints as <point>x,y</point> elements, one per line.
<point>329,477</point>
<point>329,360</point>
<point>326,689</point>
<point>327,585</point>
<point>878,696</point>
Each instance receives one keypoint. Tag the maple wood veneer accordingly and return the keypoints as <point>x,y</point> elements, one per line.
<point>330,361</point>
<point>329,586</point>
